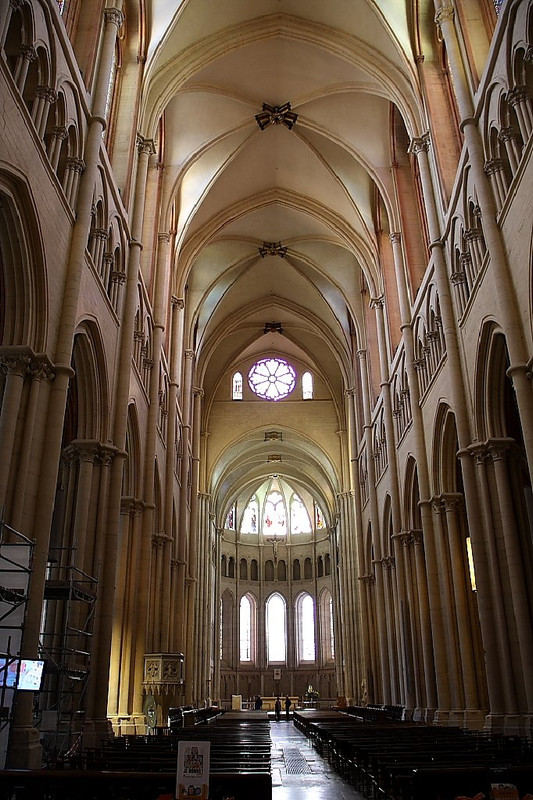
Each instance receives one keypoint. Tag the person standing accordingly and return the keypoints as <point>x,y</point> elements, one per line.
<point>287,706</point>
<point>277,708</point>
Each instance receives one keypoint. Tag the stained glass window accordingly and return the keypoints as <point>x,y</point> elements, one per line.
<point>250,517</point>
<point>274,520</point>
<point>272,378</point>
<point>319,518</point>
<point>230,519</point>
<point>299,517</point>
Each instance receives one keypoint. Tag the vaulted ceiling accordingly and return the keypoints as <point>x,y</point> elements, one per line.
<point>305,191</point>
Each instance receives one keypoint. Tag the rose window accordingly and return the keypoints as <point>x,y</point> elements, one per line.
<point>272,378</point>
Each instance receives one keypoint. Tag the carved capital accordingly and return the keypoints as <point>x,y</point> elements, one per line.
<point>28,52</point>
<point>145,146</point>
<point>395,237</point>
<point>420,144</point>
<point>113,16</point>
<point>493,165</point>
<point>445,13</point>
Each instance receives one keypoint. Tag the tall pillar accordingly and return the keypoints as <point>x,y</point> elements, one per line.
<point>25,749</point>
<point>191,689</point>
<point>374,515</point>
<point>413,398</point>
<point>15,367</point>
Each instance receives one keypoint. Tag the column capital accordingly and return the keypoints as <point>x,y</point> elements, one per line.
<point>419,144</point>
<point>517,95</point>
<point>163,237</point>
<point>395,237</point>
<point>445,13</point>
<point>114,16</point>
<point>458,278</point>
<point>189,354</point>
<point>16,364</point>
<point>178,302</point>
<point>28,52</point>
<point>493,165</point>
<point>377,302</point>
<point>47,93</point>
<point>145,146</point>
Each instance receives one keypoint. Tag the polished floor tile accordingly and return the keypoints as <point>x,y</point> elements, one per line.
<point>299,772</point>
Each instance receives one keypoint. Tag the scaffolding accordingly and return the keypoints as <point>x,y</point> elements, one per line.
<point>16,557</point>
<point>66,638</point>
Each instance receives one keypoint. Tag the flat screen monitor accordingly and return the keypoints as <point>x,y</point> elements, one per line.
<point>31,674</point>
<point>9,668</point>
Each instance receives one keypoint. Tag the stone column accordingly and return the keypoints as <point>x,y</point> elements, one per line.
<point>177,307</point>
<point>499,452</point>
<point>504,288</point>
<point>191,689</point>
<point>44,99</point>
<point>14,367</point>
<point>26,56</point>
<point>183,515</point>
<point>378,305</point>
<point>374,516</point>
<point>445,585</point>
<point>421,460</point>
<point>518,97</point>
<point>495,639</point>
<point>452,505</point>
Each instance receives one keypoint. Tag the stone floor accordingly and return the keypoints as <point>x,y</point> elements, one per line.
<point>299,772</point>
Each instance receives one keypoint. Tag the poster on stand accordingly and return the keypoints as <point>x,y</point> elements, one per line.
<point>192,780</point>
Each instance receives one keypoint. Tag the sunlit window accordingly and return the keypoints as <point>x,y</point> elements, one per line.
<point>245,623</point>
<point>236,389</point>
<point>276,628</point>
<point>319,518</point>
<point>250,517</point>
<point>272,378</point>
<point>230,519</point>
<point>300,522</point>
<point>274,520</point>
<point>306,623</point>
<point>307,386</point>
<point>331,630</point>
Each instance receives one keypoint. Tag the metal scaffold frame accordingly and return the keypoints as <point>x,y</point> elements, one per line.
<point>66,638</point>
<point>16,558</point>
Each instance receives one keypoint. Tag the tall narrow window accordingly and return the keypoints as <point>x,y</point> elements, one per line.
<point>245,624</point>
<point>319,518</point>
<point>307,386</point>
<point>236,389</point>
<point>305,614</point>
<point>250,516</point>
<point>274,521</point>
<point>230,519</point>
<point>276,627</point>
<point>300,522</point>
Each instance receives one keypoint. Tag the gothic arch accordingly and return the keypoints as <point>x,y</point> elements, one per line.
<point>21,268</point>
<point>91,386</point>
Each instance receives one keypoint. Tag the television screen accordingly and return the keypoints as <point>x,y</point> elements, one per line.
<point>30,674</point>
<point>8,671</point>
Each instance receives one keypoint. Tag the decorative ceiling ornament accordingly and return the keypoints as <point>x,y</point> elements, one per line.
<point>276,115</point>
<point>272,249</point>
<point>273,327</point>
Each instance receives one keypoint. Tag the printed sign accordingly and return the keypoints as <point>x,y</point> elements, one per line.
<point>192,780</point>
